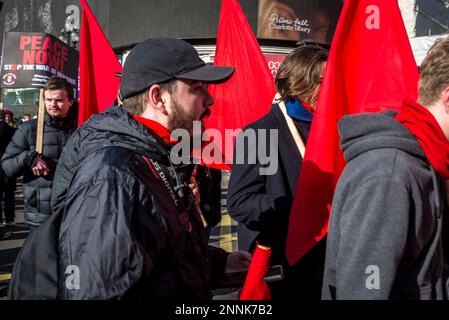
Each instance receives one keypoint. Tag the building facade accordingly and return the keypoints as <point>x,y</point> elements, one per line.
<point>278,24</point>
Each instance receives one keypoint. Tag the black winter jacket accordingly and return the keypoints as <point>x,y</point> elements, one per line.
<point>6,134</point>
<point>20,156</point>
<point>120,227</point>
<point>261,204</point>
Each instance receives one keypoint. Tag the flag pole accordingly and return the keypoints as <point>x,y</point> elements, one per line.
<point>40,123</point>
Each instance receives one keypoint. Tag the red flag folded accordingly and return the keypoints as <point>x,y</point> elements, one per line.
<point>255,287</point>
<point>248,94</point>
<point>370,68</point>
<point>98,66</point>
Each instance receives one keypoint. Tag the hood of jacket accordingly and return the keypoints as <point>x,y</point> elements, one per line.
<point>115,127</point>
<point>112,128</point>
<point>364,132</point>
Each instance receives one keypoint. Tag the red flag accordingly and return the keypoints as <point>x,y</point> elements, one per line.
<point>248,94</point>
<point>370,68</point>
<point>255,287</point>
<point>98,66</point>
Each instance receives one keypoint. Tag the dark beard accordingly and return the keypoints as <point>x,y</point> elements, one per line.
<point>181,119</point>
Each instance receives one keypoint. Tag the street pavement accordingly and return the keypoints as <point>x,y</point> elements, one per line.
<point>11,240</point>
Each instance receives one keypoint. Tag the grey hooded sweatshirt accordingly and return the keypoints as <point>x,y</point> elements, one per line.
<point>384,239</point>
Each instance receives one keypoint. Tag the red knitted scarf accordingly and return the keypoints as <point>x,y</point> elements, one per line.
<point>423,125</point>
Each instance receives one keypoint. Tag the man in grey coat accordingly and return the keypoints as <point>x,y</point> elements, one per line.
<point>385,232</point>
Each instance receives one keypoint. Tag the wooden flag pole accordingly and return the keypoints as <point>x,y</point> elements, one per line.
<point>40,123</point>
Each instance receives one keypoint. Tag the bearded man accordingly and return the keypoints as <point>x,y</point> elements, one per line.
<point>131,228</point>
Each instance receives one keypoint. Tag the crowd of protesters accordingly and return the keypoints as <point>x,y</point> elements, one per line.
<point>106,202</point>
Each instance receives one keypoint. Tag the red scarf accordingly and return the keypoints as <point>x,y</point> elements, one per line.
<point>423,125</point>
<point>159,129</point>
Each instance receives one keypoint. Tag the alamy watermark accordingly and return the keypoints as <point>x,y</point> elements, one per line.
<point>251,146</point>
<point>372,22</point>
<point>72,280</point>
<point>373,279</point>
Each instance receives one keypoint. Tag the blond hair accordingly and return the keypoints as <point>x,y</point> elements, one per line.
<point>434,75</point>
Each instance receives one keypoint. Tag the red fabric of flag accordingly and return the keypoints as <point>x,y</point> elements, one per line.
<point>248,94</point>
<point>98,67</point>
<point>370,68</point>
<point>255,287</point>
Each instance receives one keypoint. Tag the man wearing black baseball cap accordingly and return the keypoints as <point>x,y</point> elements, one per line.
<point>160,60</point>
<point>131,225</point>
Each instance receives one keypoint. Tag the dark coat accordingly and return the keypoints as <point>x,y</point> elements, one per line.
<point>209,184</point>
<point>120,226</point>
<point>262,203</point>
<point>20,156</point>
<point>6,134</point>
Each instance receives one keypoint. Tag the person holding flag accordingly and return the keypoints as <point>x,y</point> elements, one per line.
<point>385,231</point>
<point>261,203</point>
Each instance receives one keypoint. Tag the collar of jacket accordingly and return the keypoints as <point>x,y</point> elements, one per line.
<point>297,111</point>
<point>60,123</point>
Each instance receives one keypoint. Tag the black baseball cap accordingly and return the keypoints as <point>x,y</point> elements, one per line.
<point>158,60</point>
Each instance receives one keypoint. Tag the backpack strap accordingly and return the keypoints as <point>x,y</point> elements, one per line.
<point>291,126</point>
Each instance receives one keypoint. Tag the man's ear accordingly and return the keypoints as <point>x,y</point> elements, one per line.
<point>155,98</point>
